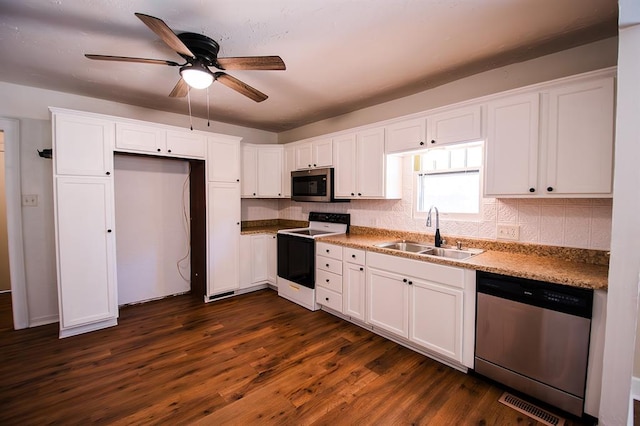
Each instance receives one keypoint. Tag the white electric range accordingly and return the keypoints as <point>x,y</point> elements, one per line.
<point>297,255</point>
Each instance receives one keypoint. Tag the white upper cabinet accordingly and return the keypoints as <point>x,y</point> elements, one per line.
<point>455,126</point>
<point>289,165</point>
<point>310,155</point>
<point>270,171</point>
<point>512,145</point>
<point>185,144</point>
<point>557,141</point>
<point>159,140</point>
<point>580,139</point>
<point>262,171</point>
<point>223,159</point>
<point>83,146</point>
<point>408,135</point>
<point>362,170</point>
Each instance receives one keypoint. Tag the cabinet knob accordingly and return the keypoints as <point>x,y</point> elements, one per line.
<point>279,194</point>
<point>327,279</point>
<point>327,250</point>
<point>352,194</point>
<point>327,265</point>
<point>254,194</point>
<point>410,282</point>
<point>108,173</point>
<point>158,149</point>
<point>421,142</point>
<point>362,269</point>
<point>309,165</point>
<point>359,194</point>
<point>237,223</point>
<point>109,230</point>
<point>326,298</point>
<point>353,255</point>
<point>532,190</point>
<point>550,188</point>
<point>433,141</point>
<point>404,280</point>
<point>314,165</point>
<point>237,180</point>
<point>168,150</point>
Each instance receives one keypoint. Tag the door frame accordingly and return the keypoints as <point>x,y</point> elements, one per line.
<point>11,128</point>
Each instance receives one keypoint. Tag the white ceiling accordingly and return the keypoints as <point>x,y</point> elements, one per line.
<point>341,55</point>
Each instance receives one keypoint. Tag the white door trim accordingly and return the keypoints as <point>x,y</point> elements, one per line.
<point>11,128</point>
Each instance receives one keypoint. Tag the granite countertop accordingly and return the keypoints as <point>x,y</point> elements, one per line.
<point>560,265</point>
<point>555,269</point>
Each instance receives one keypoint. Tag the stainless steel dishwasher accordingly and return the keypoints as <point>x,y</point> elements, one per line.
<point>533,336</point>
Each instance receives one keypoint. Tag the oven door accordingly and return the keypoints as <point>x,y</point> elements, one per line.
<point>296,259</point>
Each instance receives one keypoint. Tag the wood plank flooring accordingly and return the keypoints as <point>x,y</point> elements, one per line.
<point>251,359</point>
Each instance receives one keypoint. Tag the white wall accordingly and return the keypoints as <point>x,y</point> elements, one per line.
<point>5,279</point>
<point>30,106</point>
<point>624,267</point>
<point>590,57</point>
<point>152,207</point>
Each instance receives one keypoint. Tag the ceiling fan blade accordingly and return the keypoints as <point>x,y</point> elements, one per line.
<point>252,63</point>
<point>165,33</point>
<point>240,87</point>
<point>180,90</point>
<point>128,59</point>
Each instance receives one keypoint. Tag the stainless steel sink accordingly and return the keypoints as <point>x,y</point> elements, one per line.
<point>409,246</point>
<point>427,250</point>
<point>451,253</point>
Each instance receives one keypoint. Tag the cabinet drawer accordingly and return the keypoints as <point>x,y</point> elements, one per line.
<point>329,250</point>
<point>354,256</point>
<point>329,298</point>
<point>329,280</point>
<point>328,264</point>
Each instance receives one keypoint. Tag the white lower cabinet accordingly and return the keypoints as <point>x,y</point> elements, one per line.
<point>258,260</point>
<point>87,287</point>
<point>353,283</point>
<point>329,276</point>
<point>431,305</point>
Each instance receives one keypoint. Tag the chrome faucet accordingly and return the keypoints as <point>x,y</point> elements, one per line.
<point>438,240</point>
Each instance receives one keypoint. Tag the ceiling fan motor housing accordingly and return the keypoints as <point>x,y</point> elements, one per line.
<point>205,48</point>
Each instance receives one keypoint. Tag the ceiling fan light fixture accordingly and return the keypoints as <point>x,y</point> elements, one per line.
<point>197,76</point>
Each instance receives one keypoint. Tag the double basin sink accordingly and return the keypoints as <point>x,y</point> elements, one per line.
<point>417,248</point>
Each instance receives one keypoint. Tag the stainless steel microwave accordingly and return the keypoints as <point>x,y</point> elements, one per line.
<point>315,185</point>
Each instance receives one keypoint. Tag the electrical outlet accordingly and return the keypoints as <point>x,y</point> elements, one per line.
<point>509,232</point>
<point>29,200</point>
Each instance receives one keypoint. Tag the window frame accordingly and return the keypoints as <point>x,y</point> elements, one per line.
<point>416,176</point>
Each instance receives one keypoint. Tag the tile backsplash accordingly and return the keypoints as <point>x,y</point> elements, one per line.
<point>568,222</point>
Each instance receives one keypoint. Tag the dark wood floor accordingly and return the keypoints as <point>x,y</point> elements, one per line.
<point>252,359</point>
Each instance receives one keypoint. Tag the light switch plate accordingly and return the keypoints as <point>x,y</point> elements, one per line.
<point>509,232</point>
<point>29,200</point>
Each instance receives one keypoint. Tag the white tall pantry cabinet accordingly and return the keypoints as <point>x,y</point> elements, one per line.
<point>84,223</point>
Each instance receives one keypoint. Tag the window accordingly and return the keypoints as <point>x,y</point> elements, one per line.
<point>450,178</point>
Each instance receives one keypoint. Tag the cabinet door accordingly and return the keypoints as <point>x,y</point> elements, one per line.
<point>435,318</point>
<point>322,153</point>
<point>272,259</point>
<point>223,160</point>
<point>370,165</point>
<point>344,162</point>
<point>387,301</point>
<point>87,290</point>
<point>270,172</point>
<point>512,146</point>
<point>259,261</point>
<point>83,146</point>
<point>406,135</point>
<point>304,156</point>
<point>580,139</point>
<point>185,144</point>
<point>289,165</point>
<point>249,180</point>
<point>223,215</point>
<point>459,125</point>
<point>245,261</point>
<point>138,138</point>
<point>353,291</point>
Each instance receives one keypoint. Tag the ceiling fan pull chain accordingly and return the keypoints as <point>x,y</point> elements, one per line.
<point>208,121</point>
<point>189,102</point>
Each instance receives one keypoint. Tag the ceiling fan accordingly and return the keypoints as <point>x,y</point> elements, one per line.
<point>200,52</point>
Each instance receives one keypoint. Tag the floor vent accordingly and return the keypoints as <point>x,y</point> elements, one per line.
<point>531,410</point>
